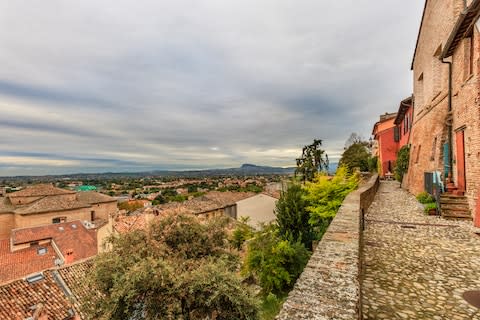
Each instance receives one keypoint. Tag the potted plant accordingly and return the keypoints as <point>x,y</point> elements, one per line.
<point>431,208</point>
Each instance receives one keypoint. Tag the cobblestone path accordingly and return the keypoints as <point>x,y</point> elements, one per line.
<point>417,266</point>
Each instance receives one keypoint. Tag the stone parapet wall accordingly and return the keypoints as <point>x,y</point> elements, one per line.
<point>329,287</point>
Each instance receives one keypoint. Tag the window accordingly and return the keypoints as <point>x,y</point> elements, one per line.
<point>419,91</point>
<point>42,251</point>
<point>418,153</point>
<point>468,55</point>
<point>434,147</point>
<point>59,220</point>
<point>396,133</point>
<point>472,53</point>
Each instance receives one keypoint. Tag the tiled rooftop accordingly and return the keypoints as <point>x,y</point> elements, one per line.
<point>39,190</point>
<point>68,236</point>
<point>18,299</point>
<point>227,198</point>
<point>124,224</point>
<point>73,276</point>
<point>211,201</point>
<point>93,197</point>
<point>14,265</point>
<point>51,203</point>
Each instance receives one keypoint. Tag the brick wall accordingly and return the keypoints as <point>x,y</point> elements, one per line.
<point>430,79</point>
<point>329,286</point>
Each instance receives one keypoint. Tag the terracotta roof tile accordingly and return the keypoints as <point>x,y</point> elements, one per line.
<point>124,224</point>
<point>228,198</point>
<point>14,265</point>
<point>39,190</point>
<point>91,197</point>
<point>74,278</point>
<point>18,299</point>
<point>51,203</point>
<point>73,240</point>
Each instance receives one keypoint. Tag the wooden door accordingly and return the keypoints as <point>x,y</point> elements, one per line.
<point>460,142</point>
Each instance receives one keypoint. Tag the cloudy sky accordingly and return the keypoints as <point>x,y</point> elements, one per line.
<point>93,86</point>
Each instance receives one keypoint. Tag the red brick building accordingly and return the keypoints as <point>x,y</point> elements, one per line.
<point>446,124</point>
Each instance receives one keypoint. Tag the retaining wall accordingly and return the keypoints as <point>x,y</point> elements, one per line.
<point>329,287</point>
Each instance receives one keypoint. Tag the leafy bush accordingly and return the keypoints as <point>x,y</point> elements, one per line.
<point>275,262</point>
<point>241,233</point>
<point>326,194</point>
<point>424,197</point>
<point>271,306</point>
<point>430,206</point>
<point>401,166</point>
<point>373,164</point>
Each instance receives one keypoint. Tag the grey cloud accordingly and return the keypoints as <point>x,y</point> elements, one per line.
<point>159,84</point>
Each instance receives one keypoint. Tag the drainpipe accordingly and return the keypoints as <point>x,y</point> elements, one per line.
<point>450,152</point>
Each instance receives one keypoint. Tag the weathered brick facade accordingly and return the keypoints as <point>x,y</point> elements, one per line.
<point>440,24</point>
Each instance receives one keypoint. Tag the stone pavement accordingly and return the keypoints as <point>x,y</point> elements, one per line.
<point>417,266</point>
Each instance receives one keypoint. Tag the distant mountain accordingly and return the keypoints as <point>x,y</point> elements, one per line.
<point>246,169</point>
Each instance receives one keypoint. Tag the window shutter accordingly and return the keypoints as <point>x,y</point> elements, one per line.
<point>396,134</point>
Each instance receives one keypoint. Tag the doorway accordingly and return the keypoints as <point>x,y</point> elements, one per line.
<point>460,155</point>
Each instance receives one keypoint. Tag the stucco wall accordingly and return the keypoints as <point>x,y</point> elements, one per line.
<point>258,208</point>
<point>329,287</point>
<point>7,223</point>
<point>104,210</point>
<point>38,219</point>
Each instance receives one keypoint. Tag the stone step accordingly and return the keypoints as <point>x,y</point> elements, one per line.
<point>456,211</point>
<point>449,216</point>
<point>451,196</point>
<point>454,206</point>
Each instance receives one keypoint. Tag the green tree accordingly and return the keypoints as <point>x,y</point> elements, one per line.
<point>401,166</point>
<point>274,261</point>
<point>292,215</point>
<point>356,156</point>
<point>313,160</point>
<point>176,269</point>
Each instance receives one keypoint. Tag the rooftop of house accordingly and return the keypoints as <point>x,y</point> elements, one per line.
<point>48,201</point>
<point>405,104</point>
<point>51,203</point>
<point>69,237</point>
<point>386,121</point>
<point>39,190</point>
<point>213,200</point>
<point>228,198</point>
<point>14,265</point>
<point>73,277</point>
<point>462,28</point>
<point>93,197</point>
<point>124,224</point>
<point>19,299</point>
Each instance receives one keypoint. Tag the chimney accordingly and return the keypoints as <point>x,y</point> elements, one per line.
<point>40,313</point>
